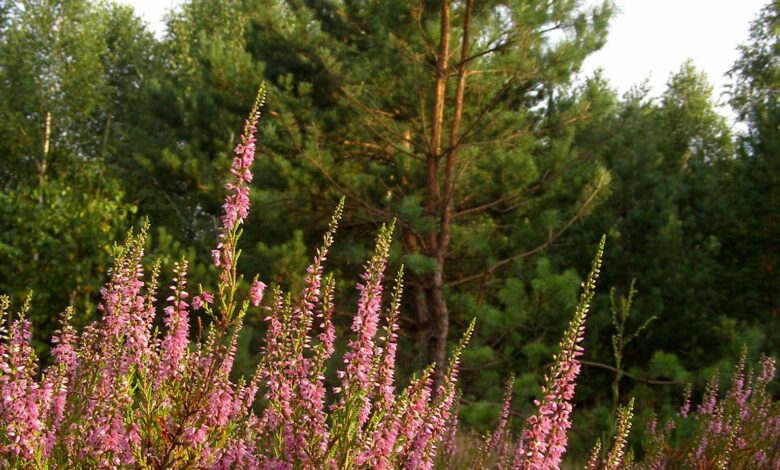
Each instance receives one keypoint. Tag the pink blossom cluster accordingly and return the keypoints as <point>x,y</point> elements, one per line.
<point>543,442</point>
<point>125,393</point>
<point>738,430</point>
<point>544,439</point>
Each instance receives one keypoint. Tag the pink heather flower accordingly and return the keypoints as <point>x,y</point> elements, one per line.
<point>545,434</point>
<point>760,460</point>
<point>20,413</point>
<point>197,302</point>
<point>685,409</point>
<point>740,384</point>
<point>327,334</point>
<point>383,440</point>
<point>652,426</point>
<point>387,368</point>
<point>412,416</point>
<point>710,399</point>
<point>308,441</point>
<point>256,292</point>
<point>357,377</point>
<point>125,311</point>
<point>207,297</point>
<point>767,373</point>
<point>440,416</point>
<point>278,387</point>
<point>698,458</point>
<point>386,356</point>
<point>236,207</point>
<point>238,455</point>
<point>495,442</point>
<point>64,339</point>
<point>174,346</point>
<point>57,412</point>
<point>451,443</point>
<point>616,455</point>
<point>544,439</point>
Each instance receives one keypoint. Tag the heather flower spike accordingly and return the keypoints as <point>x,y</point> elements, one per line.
<point>616,455</point>
<point>685,409</point>
<point>494,443</point>
<point>353,409</point>
<point>594,462</point>
<point>256,292</point>
<point>542,443</point>
<point>440,415</point>
<point>234,211</point>
<point>544,439</point>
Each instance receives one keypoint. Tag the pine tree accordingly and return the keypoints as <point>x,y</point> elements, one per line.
<point>457,118</point>
<point>755,96</point>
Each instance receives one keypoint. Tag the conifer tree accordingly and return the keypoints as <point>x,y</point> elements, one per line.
<point>755,96</point>
<point>458,118</point>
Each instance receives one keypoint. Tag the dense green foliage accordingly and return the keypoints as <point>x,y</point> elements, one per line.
<point>70,75</point>
<point>102,123</point>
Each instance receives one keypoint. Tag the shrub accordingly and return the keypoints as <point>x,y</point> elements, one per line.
<point>739,430</point>
<point>122,393</point>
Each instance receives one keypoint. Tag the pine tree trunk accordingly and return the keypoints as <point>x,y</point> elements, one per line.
<point>438,317</point>
<point>438,326</point>
<point>440,204</point>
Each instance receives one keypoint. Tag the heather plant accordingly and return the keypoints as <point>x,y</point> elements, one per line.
<point>123,392</point>
<point>543,441</point>
<point>617,456</point>
<point>740,429</point>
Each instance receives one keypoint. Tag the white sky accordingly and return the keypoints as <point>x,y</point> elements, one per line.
<point>649,39</point>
